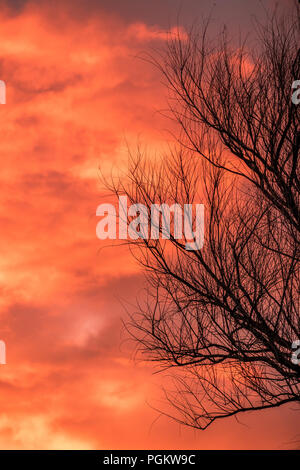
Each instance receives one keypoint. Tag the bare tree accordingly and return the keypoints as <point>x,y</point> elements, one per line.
<point>223,318</point>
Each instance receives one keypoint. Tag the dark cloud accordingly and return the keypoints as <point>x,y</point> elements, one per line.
<point>155,12</point>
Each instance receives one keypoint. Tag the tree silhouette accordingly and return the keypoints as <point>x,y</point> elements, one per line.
<point>223,318</point>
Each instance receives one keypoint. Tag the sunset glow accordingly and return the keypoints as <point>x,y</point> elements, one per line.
<point>78,94</point>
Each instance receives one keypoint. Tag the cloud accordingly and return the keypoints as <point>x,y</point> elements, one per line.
<point>76,92</point>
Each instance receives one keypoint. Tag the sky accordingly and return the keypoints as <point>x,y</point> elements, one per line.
<point>78,93</point>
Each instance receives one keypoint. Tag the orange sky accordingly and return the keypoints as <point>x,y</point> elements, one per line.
<point>76,92</point>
